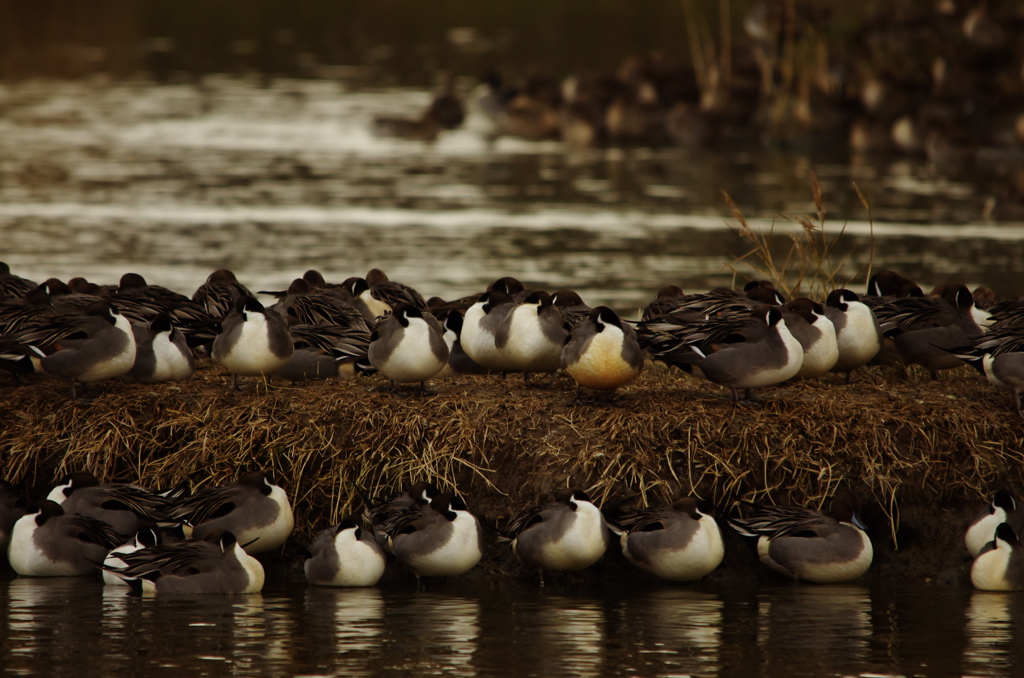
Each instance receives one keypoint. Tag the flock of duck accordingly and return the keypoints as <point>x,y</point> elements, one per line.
<point>953,99</point>
<point>184,542</point>
<point>742,339</point>
<point>180,542</point>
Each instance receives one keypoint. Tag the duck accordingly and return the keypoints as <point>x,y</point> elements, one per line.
<point>666,300</point>
<point>303,303</point>
<point>220,293</point>
<point>407,346</point>
<point>13,286</point>
<point>459,364</point>
<point>858,336</point>
<point>20,359</point>
<point>253,341</point>
<point>439,539</point>
<point>531,337</point>
<point>1002,509</point>
<point>810,325</point>
<point>386,510</point>
<point>123,507</point>
<point>146,537</point>
<point>161,353</point>
<point>345,555</point>
<point>925,329</point>
<point>255,510</point>
<point>1000,564</point>
<point>376,295</point>
<point>602,352</point>
<point>134,285</point>
<point>213,564</point>
<point>999,356</point>
<point>571,304</point>
<point>810,545</point>
<point>678,542</point>
<point>47,542</point>
<point>480,327</point>
<point>564,535</point>
<point>746,350</point>
<point>12,507</point>
<point>96,346</point>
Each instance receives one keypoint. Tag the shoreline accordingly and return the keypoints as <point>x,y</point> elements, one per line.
<point>924,456</point>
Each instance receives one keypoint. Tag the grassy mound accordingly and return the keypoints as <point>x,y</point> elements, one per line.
<point>503,443</point>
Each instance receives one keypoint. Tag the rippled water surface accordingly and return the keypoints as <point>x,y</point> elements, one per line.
<point>507,628</point>
<point>270,179</point>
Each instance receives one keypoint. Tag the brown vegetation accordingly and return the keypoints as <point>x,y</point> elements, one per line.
<point>503,443</point>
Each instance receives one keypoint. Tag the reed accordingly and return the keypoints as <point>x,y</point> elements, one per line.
<point>503,444</point>
<point>810,267</point>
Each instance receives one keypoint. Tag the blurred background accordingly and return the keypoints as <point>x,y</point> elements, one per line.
<point>572,143</point>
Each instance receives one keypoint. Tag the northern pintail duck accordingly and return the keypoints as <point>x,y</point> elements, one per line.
<point>679,542</point>
<point>1002,509</point>
<point>134,285</point>
<point>215,563</point>
<point>253,342</point>
<point>123,507</point>
<point>602,352</point>
<point>999,356</point>
<point>445,112</point>
<point>563,535</point>
<point>1000,565</point>
<point>925,330</point>
<point>49,543</point>
<point>665,301</point>
<point>719,301</point>
<point>440,539</point>
<point>810,545</point>
<point>459,363</point>
<point>886,285</point>
<point>304,304</point>
<point>12,507</point>
<point>253,509</point>
<point>528,111</point>
<point>12,285</point>
<point>161,353</point>
<point>574,310</point>
<point>386,510</point>
<point>96,346</point>
<point>742,351</point>
<point>810,325</point>
<point>480,328</point>
<point>346,555</point>
<point>858,336</point>
<point>20,359</point>
<point>407,346</point>
<point>531,337</point>
<point>147,537</point>
<point>220,293</point>
<point>376,294</point>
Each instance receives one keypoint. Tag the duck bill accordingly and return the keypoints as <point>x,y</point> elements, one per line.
<point>858,522</point>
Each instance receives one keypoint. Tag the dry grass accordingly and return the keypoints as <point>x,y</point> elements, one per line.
<point>810,268</point>
<point>503,444</point>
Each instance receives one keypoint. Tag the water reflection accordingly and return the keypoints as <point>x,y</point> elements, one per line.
<point>567,636</point>
<point>343,631</point>
<point>992,648</point>
<point>827,627</point>
<point>439,633</point>
<point>677,631</point>
<point>488,629</point>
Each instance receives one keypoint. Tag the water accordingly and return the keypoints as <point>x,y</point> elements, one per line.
<point>98,178</point>
<point>511,628</point>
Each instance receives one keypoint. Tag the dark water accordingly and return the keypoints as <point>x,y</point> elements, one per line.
<point>173,181</point>
<point>508,628</point>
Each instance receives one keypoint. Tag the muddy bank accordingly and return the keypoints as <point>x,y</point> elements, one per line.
<point>923,455</point>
